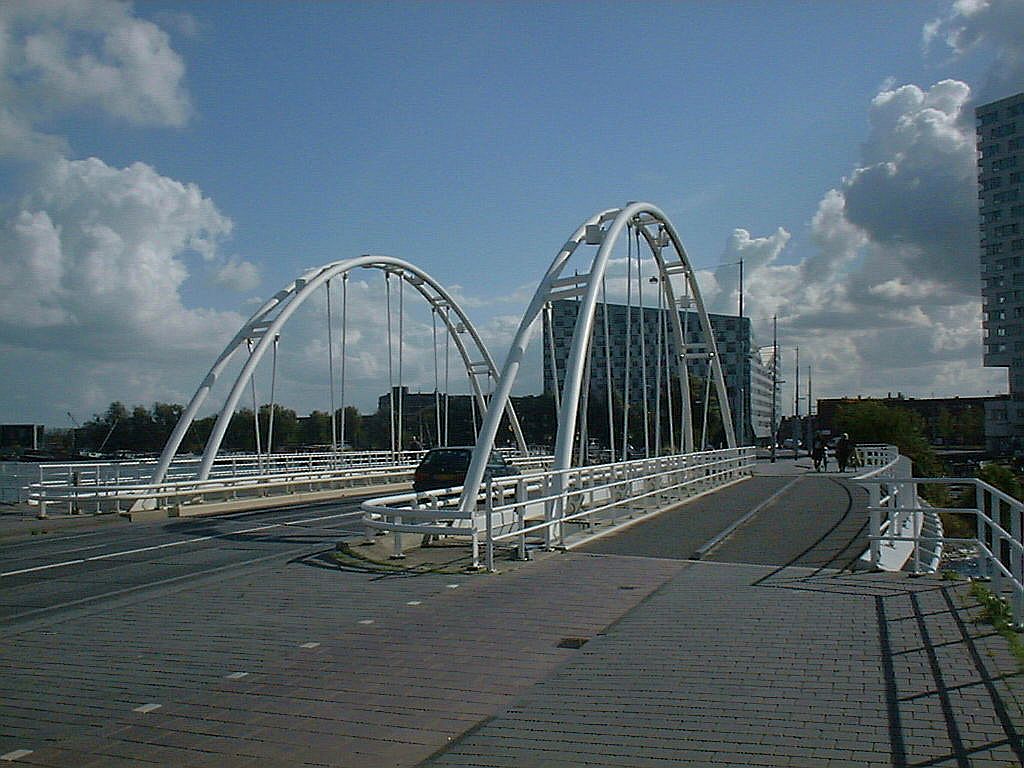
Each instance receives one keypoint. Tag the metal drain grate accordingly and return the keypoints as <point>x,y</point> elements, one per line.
<point>572,642</point>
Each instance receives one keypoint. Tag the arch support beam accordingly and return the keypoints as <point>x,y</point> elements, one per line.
<point>266,323</point>
<point>605,228</point>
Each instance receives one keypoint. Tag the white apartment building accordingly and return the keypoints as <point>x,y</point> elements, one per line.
<point>748,379</point>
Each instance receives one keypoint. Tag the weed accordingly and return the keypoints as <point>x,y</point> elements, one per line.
<point>996,611</point>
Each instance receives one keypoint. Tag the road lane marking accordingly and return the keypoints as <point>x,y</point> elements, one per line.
<point>181,542</point>
<point>237,675</point>
<point>310,645</point>
<point>43,567</point>
<point>147,708</point>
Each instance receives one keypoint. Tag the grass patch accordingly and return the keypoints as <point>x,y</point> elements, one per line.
<point>959,526</point>
<point>996,611</point>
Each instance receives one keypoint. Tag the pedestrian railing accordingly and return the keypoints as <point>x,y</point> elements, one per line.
<point>109,487</point>
<point>541,506</point>
<point>902,525</point>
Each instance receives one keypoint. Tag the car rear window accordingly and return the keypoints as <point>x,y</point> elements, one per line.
<point>447,460</point>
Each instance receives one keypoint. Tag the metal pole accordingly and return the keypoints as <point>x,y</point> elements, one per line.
<point>775,381</point>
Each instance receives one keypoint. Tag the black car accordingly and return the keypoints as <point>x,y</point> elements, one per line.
<point>447,467</point>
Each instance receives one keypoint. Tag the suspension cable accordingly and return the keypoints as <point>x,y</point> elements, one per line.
<point>659,346</point>
<point>608,371</point>
<point>330,365</point>
<point>685,407</point>
<point>707,408</point>
<point>273,406</point>
<point>584,449</point>
<point>255,411</point>
<point>447,371</point>
<point>668,377</point>
<point>344,341</point>
<point>401,348</point>
<point>643,346</point>
<point>437,389</point>
<point>629,340</point>
<point>555,388</point>
<point>391,376</point>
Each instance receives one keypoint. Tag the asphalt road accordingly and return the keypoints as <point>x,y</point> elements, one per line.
<point>47,573</point>
<point>797,519</point>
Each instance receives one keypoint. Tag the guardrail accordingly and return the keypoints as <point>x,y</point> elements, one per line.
<point>511,508</point>
<point>900,517</point>
<point>310,475</point>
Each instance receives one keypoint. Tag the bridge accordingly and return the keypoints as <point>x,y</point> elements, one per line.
<point>689,606</point>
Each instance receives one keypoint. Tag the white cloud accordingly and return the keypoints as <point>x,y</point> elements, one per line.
<point>994,27</point>
<point>96,258</point>
<point>889,299</point>
<point>756,253</point>
<point>60,56</point>
<point>239,275</point>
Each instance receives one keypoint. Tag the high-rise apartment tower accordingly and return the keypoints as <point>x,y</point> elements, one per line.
<point>1000,136</point>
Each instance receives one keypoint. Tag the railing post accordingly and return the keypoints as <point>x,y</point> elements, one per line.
<point>875,532</point>
<point>489,543</point>
<point>521,497</point>
<point>1017,565</point>
<point>397,553</point>
<point>982,498</point>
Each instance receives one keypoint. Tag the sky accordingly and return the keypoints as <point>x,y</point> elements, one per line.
<point>165,167</point>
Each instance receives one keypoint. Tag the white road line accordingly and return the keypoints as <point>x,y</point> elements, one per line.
<point>366,621</point>
<point>147,708</point>
<point>310,645</point>
<point>42,567</point>
<point>123,553</point>
<point>237,675</point>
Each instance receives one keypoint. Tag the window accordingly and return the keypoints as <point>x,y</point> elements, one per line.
<point>991,216</point>
<point>1003,163</point>
<point>1007,229</point>
<point>1017,212</point>
<point>988,118</point>
<point>1004,130</point>
<point>1006,197</point>
<point>1015,110</point>
<point>993,250</point>
<point>1018,245</point>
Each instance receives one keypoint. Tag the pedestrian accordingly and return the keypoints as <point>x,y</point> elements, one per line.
<point>843,452</point>
<point>817,454</point>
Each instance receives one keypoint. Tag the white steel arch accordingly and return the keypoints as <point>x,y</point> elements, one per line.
<point>605,228</point>
<point>265,324</point>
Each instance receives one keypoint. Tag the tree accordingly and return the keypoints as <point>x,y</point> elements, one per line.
<point>869,421</point>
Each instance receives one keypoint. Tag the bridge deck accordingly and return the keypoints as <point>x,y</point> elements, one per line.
<point>684,663</point>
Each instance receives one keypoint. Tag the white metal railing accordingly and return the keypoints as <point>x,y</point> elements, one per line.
<point>509,509</point>
<point>898,516</point>
<point>107,487</point>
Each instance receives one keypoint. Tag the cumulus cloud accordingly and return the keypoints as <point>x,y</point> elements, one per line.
<point>239,275</point>
<point>891,290</point>
<point>993,26</point>
<point>93,54</point>
<point>94,258</point>
<point>755,253</point>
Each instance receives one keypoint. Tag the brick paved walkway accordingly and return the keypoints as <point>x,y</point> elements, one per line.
<point>300,663</point>
<point>744,665</point>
